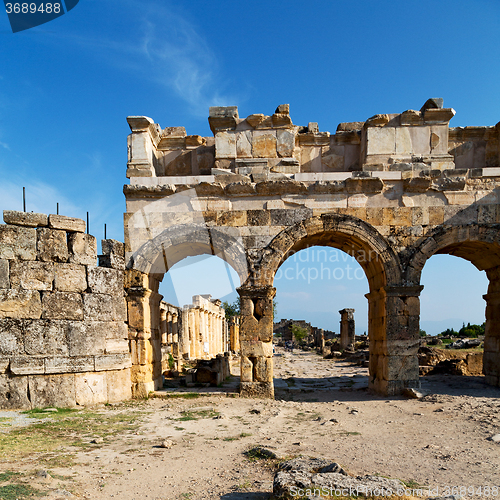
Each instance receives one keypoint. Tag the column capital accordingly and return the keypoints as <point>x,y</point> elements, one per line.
<point>254,291</point>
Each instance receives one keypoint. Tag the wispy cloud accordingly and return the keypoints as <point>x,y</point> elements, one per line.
<point>5,145</point>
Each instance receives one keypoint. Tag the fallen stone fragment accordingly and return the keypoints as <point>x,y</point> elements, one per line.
<point>412,393</point>
<point>167,444</point>
<point>97,440</point>
<point>495,438</point>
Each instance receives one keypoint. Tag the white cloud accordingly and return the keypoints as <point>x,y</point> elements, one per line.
<point>5,145</point>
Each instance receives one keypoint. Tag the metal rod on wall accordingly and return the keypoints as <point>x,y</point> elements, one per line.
<point>24,199</point>
<point>88,223</point>
<point>104,231</point>
<point>57,209</point>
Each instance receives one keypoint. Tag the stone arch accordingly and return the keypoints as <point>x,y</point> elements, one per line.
<point>146,269</point>
<point>392,309</point>
<point>350,234</point>
<point>480,245</point>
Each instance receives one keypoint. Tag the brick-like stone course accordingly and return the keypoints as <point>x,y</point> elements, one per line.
<point>63,332</point>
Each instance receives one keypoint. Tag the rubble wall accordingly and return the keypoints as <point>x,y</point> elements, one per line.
<point>63,332</point>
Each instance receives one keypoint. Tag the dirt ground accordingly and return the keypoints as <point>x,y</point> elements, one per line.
<point>322,409</point>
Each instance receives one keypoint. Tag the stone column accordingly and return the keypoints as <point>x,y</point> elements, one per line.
<point>491,355</point>
<point>164,326</point>
<point>393,331</point>
<point>347,329</point>
<point>169,328</point>
<point>256,334</point>
<point>143,307</point>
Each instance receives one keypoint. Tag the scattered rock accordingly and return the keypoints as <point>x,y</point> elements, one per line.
<point>167,443</point>
<point>261,452</point>
<point>409,392</point>
<point>254,411</point>
<point>54,410</point>
<point>495,438</point>
<point>97,440</point>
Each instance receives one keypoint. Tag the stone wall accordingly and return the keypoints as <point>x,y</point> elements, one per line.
<point>63,332</point>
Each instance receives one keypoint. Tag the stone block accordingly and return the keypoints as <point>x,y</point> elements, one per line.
<point>380,140</point>
<point>4,274</point>
<point>104,280</point>
<point>246,369</point>
<point>86,338</point>
<point>101,307</point>
<point>289,217</point>
<point>17,242</point>
<point>115,330</point>
<point>400,367</point>
<point>243,144</point>
<point>113,362</point>
<point>264,144</point>
<point>82,249</point>
<point>225,145</point>
<point>20,304</point>
<point>141,374</point>
<point>69,364</point>
<point>62,305</point>
<point>27,365</point>
<point>69,224</point>
<point>51,245</point>
<point>31,275</point>
<point>113,247</point>
<point>28,219</point>
<point>117,346</point>
<point>14,393</point>
<point>46,338</point>
<point>12,337</point>
<point>90,388</point>
<point>112,261</point>
<point>70,278</point>
<point>285,143</point>
<point>256,349</point>
<point>258,218</point>
<point>52,390</point>
<point>119,384</point>
<point>263,369</point>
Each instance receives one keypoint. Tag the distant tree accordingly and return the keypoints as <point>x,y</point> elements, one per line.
<point>232,309</point>
<point>422,333</point>
<point>471,331</point>
<point>449,332</point>
<point>299,333</point>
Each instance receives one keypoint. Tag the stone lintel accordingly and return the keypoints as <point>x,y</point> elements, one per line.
<point>403,290</point>
<point>28,219</point>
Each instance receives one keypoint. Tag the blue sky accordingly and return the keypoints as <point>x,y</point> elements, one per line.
<point>66,88</point>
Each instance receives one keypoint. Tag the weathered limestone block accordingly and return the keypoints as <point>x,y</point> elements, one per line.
<point>113,254</point>
<point>69,364</point>
<point>62,305</point>
<point>45,337</point>
<point>27,365</point>
<point>20,304</point>
<point>399,367</point>
<point>52,390</point>
<point>30,275</point>
<point>113,362</point>
<point>119,385</point>
<point>225,145</point>
<point>111,246</point>
<point>29,219</point>
<point>104,280</point>
<point>86,338</point>
<point>82,249</point>
<point>17,242</point>
<point>101,307</point>
<point>285,143</point>
<point>263,369</point>
<point>263,390</point>
<point>256,348</point>
<point>115,330</point>
<point>243,144</point>
<point>52,245</point>
<point>4,365</point>
<point>69,224</point>
<point>112,261</point>
<point>14,393</point>
<point>246,369</point>
<point>264,144</point>
<point>117,346</point>
<point>12,337</point>
<point>4,274</point>
<point>91,388</point>
<point>70,278</point>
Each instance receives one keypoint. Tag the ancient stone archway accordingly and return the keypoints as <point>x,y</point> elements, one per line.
<point>388,185</point>
<point>147,267</point>
<point>479,244</point>
<point>393,337</point>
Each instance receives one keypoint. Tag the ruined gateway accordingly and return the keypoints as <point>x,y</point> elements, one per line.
<point>390,191</point>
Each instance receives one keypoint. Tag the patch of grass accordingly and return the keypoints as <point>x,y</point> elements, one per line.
<point>245,434</point>
<point>179,428</point>
<point>8,475</point>
<point>55,435</point>
<point>233,438</point>
<point>19,492</point>
<point>349,433</point>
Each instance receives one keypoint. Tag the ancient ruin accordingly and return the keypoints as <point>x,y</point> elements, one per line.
<point>391,191</point>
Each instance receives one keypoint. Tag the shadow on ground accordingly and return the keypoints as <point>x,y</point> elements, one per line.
<point>246,496</point>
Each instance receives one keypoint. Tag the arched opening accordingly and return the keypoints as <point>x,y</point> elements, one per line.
<point>478,245</point>
<point>170,335</point>
<point>452,319</point>
<point>393,306</point>
<point>323,310</point>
